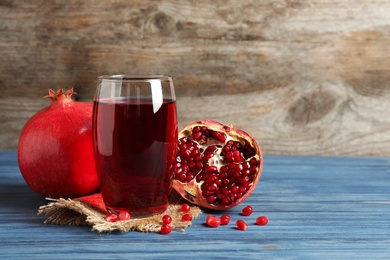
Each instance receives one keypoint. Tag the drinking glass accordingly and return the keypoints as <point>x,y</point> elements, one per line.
<point>134,136</point>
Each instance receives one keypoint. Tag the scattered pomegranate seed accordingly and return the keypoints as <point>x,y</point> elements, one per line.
<point>166,219</point>
<point>213,221</point>
<point>124,215</point>
<point>186,217</point>
<point>185,208</point>
<point>225,219</point>
<point>241,225</point>
<point>111,217</point>
<point>165,229</point>
<point>262,221</point>
<point>247,211</point>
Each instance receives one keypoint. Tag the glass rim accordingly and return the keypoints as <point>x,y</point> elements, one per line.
<point>135,77</point>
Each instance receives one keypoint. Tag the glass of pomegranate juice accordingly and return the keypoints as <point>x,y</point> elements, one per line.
<point>134,136</point>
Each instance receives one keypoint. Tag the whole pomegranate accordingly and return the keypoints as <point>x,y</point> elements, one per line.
<point>55,152</point>
<point>217,167</point>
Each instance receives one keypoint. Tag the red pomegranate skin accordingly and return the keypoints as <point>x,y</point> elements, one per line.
<point>55,152</point>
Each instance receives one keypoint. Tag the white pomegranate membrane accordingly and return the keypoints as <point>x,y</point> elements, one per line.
<point>217,166</point>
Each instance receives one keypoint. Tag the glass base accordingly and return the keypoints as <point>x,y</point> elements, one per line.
<point>139,213</point>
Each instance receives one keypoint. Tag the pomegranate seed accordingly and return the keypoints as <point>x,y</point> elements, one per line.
<point>208,178</point>
<point>182,177</point>
<point>241,225</point>
<point>186,168</point>
<point>211,199</point>
<point>246,165</point>
<point>235,189</point>
<point>223,169</point>
<point>233,197</point>
<point>199,165</point>
<point>222,176</point>
<point>178,171</point>
<point>245,172</point>
<point>225,219</point>
<point>166,219</point>
<point>196,136</point>
<point>210,169</point>
<point>247,211</point>
<point>196,129</point>
<point>186,153</point>
<point>191,165</point>
<point>189,177</point>
<point>238,156</point>
<point>186,217</point>
<point>262,221</point>
<point>124,215</point>
<point>226,149</point>
<point>236,175</point>
<point>211,149</point>
<point>229,157</point>
<point>232,166</point>
<point>208,157</point>
<point>208,193</point>
<point>111,217</point>
<point>204,186</point>
<point>244,179</point>
<point>165,229</point>
<point>242,189</point>
<point>225,181</point>
<point>198,158</point>
<point>226,201</point>
<point>185,207</point>
<point>253,162</point>
<point>213,221</point>
<point>213,187</point>
<point>238,167</point>
<point>194,150</point>
<point>221,137</point>
<point>225,191</point>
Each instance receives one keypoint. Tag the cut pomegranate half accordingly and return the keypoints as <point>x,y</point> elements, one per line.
<point>217,167</point>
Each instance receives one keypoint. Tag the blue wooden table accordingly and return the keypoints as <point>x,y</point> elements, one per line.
<point>318,208</point>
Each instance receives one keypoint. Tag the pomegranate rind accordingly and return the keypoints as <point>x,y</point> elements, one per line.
<point>191,190</point>
<point>55,151</point>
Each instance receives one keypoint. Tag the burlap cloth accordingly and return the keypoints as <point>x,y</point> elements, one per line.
<point>90,210</point>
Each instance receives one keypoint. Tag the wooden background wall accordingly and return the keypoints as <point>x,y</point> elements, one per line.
<point>302,76</point>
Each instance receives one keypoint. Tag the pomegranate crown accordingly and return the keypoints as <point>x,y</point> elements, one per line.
<point>59,95</point>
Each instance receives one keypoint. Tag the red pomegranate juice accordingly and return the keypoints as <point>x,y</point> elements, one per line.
<point>135,151</point>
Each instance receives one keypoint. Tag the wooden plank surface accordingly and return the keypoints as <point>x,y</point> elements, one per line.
<point>306,77</point>
<point>318,208</point>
